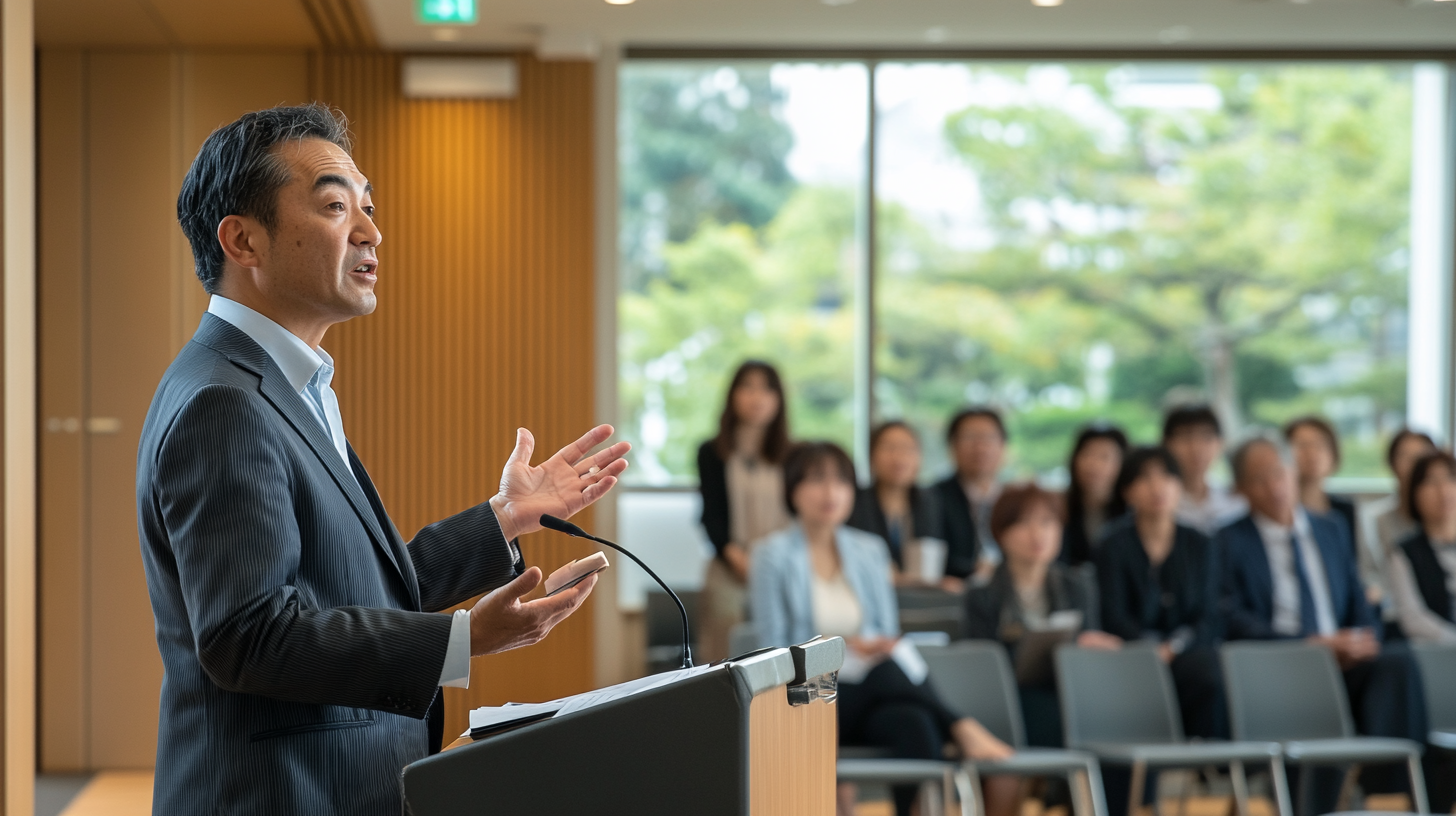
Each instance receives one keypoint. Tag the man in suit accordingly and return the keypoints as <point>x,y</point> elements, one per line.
<point>977,440</point>
<point>300,634</point>
<point>1289,574</point>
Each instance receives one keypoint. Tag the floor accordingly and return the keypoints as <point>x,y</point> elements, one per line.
<point>109,793</point>
<point>129,793</point>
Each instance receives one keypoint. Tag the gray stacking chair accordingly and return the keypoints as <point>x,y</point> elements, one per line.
<point>974,678</point>
<point>947,775</point>
<point>1120,706</point>
<point>1292,692</point>
<point>1438,672</point>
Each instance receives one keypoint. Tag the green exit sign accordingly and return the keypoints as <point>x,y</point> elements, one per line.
<point>460,12</point>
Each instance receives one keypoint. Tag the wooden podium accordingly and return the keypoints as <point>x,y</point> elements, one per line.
<point>757,737</point>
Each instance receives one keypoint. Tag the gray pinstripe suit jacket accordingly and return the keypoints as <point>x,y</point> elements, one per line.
<point>296,627</point>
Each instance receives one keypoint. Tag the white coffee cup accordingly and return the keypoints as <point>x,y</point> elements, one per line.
<point>925,559</point>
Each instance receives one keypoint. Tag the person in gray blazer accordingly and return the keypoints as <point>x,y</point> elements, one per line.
<point>300,634</point>
<point>820,577</point>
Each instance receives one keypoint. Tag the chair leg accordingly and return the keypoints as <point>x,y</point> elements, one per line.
<point>1347,788</point>
<point>947,793</point>
<point>1135,793</point>
<point>1240,786</point>
<point>978,798</point>
<point>1306,790</point>
<point>1189,779</point>
<point>968,790</point>
<point>1093,775</point>
<point>1280,780</point>
<point>1418,785</point>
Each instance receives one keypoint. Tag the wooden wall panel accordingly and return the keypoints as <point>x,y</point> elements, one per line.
<point>484,321</point>
<point>63,601</point>
<point>118,299</point>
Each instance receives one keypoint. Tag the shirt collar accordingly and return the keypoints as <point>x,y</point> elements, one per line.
<point>298,362</point>
<point>1269,527</point>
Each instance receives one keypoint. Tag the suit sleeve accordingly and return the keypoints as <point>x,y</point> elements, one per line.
<point>713,484</point>
<point>460,557</point>
<point>1358,612</point>
<point>1116,594</point>
<point>232,531</point>
<point>1242,622</point>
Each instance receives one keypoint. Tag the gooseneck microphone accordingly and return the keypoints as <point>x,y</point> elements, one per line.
<point>564,526</point>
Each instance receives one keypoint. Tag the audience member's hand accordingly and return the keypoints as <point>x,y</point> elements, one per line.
<point>737,559</point>
<point>1093,639</point>
<point>502,621</point>
<point>976,742</point>
<point>984,571</point>
<point>871,647</point>
<point>1165,652</point>
<point>1350,646</point>
<point>560,486</point>
<point>952,584</point>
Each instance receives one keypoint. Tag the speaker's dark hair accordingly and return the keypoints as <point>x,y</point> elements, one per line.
<point>238,172</point>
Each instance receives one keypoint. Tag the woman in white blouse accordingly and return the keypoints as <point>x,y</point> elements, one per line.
<point>1423,566</point>
<point>821,577</point>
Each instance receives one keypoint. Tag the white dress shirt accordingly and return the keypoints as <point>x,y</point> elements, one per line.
<point>310,371</point>
<point>1221,506</point>
<point>1287,619</point>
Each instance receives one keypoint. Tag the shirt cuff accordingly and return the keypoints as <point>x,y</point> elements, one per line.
<point>456,673</point>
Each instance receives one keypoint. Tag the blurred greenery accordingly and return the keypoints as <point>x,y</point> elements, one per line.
<point>1253,254</point>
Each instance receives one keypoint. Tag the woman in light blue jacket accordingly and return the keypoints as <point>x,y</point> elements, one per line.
<point>819,577</point>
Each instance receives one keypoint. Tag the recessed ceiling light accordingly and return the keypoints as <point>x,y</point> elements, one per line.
<point>621,2</point>
<point>1046,3</point>
<point>836,2</point>
<point>445,34</point>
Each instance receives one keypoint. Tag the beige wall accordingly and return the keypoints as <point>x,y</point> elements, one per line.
<point>117,300</point>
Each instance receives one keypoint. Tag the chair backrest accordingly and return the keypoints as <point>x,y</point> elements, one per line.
<point>1438,672</point>
<point>1284,690</point>
<point>742,639</point>
<point>1124,696</point>
<point>974,678</point>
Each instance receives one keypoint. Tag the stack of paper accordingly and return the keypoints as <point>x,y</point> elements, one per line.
<point>489,720</point>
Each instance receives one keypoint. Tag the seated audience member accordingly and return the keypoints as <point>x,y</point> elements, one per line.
<point>977,439</point>
<point>740,475</point>
<point>1316,449</point>
<point>1093,468</point>
<point>1158,584</point>
<point>1289,574</point>
<point>1387,522</point>
<point>819,577</point>
<point>894,507</point>
<point>1423,567</point>
<point>1024,594</point>
<point>1195,438</point>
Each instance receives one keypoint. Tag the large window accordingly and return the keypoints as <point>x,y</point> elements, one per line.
<point>1069,242</point>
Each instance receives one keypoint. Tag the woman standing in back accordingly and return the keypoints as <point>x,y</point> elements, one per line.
<point>740,474</point>
<point>1091,506</point>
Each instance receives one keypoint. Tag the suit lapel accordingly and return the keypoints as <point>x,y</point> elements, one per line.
<point>396,541</point>
<point>226,338</point>
<point>1256,565</point>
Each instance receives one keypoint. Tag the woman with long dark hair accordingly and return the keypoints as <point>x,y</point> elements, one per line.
<point>1091,501</point>
<point>740,474</point>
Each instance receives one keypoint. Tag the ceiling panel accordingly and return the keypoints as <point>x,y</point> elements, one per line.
<point>1200,24</point>
<point>280,23</point>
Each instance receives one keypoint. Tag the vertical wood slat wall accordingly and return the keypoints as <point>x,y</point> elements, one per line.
<point>485,310</point>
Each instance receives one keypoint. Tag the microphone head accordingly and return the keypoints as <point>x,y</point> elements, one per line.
<point>563,526</point>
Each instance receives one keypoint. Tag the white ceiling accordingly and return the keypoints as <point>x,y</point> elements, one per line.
<point>899,24</point>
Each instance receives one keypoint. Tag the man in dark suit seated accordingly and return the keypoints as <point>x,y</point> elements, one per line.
<point>976,437</point>
<point>1290,574</point>
<point>301,636</point>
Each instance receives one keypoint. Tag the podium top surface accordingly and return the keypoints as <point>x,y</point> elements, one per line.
<point>768,669</point>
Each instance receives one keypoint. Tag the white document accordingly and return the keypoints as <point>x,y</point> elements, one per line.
<point>491,716</point>
<point>856,666</point>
